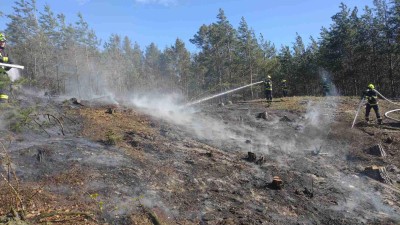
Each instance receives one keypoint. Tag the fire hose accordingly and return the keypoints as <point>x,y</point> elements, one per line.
<point>390,111</point>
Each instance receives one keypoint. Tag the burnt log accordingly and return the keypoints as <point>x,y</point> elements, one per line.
<point>251,157</point>
<point>285,119</point>
<point>389,140</point>
<point>263,115</point>
<point>276,183</point>
<point>260,160</point>
<point>110,111</point>
<point>40,155</point>
<point>76,101</point>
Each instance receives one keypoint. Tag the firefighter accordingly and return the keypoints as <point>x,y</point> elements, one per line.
<point>372,102</point>
<point>5,80</point>
<point>326,87</point>
<point>268,89</point>
<point>284,88</point>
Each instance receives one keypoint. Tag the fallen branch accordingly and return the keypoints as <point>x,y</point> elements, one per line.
<point>51,214</point>
<point>15,192</point>
<point>8,158</point>
<point>35,193</point>
<point>48,115</point>
<point>59,122</point>
<point>41,126</point>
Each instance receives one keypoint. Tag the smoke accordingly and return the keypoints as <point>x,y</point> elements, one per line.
<point>228,133</point>
<point>163,106</point>
<point>224,133</point>
<point>363,199</point>
<point>14,74</point>
<point>327,78</point>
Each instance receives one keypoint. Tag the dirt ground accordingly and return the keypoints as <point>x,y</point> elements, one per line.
<point>98,163</point>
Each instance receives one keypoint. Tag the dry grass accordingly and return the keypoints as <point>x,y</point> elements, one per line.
<point>301,103</point>
<point>98,124</point>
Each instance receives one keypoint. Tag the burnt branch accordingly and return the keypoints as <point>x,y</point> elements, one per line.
<point>58,121</point>
<point>48,116</point>
<point>41,126</point>
<point>51,214</point>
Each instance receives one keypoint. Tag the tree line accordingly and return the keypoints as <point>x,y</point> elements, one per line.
<point>61,57</point>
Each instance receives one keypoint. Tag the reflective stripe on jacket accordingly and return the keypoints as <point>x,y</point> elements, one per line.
<point>371,96</point>
<point>4,54</point>
<point>268,85</point>
<point>284,86</point>
<point>3,96</point>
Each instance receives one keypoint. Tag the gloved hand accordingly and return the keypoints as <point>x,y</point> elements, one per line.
<point>5,59</point>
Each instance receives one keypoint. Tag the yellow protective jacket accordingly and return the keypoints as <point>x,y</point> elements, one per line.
<point>5,80</point>
<point>268,85</point>
<point>371,96</point>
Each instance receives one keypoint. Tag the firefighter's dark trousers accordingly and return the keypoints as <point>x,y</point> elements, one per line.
<point>268,95</point>
<point>368,110</point>
<point>285,93</point>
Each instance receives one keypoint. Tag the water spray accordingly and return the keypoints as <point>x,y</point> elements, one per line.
<point>221,94</point>
<point>104,96</point>
<point>358,111</point>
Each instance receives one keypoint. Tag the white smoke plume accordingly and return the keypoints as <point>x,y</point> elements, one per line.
<point>14,74</point>
<point>361,193</point>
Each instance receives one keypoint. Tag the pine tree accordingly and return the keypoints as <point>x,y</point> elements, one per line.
<point>217,42</point>
<point>248,51</point>
<point>152,70</point>
<point>23,32</point>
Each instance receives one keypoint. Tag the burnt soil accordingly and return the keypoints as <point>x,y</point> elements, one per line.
<point>101,163</point>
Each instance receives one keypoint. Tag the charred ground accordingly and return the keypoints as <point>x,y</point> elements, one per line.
<point>129,165</point>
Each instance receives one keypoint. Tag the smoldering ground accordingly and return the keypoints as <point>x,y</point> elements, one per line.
<point>179,176</point>
<point>283,142</point>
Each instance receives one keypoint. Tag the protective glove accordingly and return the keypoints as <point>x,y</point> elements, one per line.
<point>5,59</point>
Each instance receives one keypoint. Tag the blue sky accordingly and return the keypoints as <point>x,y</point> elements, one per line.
<point>162,21</point>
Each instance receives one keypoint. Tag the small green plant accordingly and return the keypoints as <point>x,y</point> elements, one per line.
<point>112,138</point>
<point>134,200</point>
<point>137,199</point>
<point>100,203</point>
<point>19,118</point>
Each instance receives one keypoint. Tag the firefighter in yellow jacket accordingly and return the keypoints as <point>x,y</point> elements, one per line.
<point>268,89</point>
<point>372,103</point>
<point>5,80</point>
<point>284,88</point>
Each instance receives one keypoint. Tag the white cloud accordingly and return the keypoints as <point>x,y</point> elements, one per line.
<point>161,2</point>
